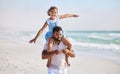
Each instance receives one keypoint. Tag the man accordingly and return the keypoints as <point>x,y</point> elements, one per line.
<point>58,53</point>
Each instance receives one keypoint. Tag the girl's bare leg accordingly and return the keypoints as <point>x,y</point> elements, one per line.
<point>68,64</point>
<point>50,44</point>
<point>69,47</point>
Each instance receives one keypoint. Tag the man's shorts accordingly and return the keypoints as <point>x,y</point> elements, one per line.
<point>57,71</point>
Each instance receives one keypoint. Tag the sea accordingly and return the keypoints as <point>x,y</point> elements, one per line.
<point>103,44</point>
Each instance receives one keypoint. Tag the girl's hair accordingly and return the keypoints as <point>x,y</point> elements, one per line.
<point>51,8</point>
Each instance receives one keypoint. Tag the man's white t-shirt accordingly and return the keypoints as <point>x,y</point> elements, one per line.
<point>58,60</point>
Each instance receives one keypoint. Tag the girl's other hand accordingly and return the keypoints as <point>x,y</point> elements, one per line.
<point>33,40</point>
<point>75,15</point>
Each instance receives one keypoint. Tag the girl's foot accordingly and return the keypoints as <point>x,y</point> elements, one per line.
<point>68,64</point>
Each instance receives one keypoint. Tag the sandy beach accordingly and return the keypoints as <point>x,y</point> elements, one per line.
<point>18,58</point>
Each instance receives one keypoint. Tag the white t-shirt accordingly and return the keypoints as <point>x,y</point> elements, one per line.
<point>58,60</point>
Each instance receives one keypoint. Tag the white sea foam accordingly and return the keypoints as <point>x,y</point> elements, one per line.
<point>100,46</point>
<point>100,37</point>
<point>114,35</point>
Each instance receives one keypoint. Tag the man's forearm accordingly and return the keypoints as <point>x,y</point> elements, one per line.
<point>71,53</point>
<point>47,55</point>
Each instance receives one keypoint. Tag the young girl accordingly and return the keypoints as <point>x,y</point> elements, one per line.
<point>51,22</point>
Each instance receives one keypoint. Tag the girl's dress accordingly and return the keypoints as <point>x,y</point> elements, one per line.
<point>51,25</point>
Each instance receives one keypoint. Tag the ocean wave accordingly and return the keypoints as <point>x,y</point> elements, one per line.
<point>100,37</point>
<point>92,41</point>
<point>116,41</point>
<point>95,46</point>
<point>111,47</point>
<point>114,34</point>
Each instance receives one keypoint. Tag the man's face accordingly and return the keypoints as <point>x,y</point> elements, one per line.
<point>57,35</point>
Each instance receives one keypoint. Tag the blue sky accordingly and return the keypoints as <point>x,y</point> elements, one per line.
<point>31,14</point>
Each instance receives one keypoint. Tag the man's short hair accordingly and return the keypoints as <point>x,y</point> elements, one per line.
<point>56,29</point>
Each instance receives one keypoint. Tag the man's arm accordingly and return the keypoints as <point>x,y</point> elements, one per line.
<point>69,53</point>
<point>47,55</point>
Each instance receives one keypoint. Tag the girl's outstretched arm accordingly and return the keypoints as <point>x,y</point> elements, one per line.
<point>39,33</point>
<point>67,16</point>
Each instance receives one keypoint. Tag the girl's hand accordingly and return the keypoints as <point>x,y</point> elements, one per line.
<point>33,40</point>
<point>75,15</point>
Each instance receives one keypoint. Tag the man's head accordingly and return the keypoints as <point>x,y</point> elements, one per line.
<point>57,33</point>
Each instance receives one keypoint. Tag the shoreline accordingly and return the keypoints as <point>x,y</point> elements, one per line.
<point>18,58</point>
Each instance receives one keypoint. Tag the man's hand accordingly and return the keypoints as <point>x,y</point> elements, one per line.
<point>65,51</point>
<point>57,51</point>
<point>68,52</point>
<point>47,55</point>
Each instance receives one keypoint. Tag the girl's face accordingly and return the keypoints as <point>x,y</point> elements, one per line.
<point>53,12</point>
